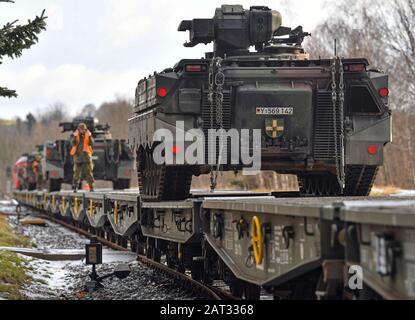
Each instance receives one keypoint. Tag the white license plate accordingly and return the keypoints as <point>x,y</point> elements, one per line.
<point>264,111</point>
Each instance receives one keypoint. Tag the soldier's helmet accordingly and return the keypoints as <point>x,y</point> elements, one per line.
<point>82,126</point>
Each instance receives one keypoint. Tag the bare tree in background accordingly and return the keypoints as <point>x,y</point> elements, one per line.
<point>384,33</point>
<point>89,110</point>
<point>56,112</point>
<point>398,35</point>
<point>381,31</point>
<point>116,114</point>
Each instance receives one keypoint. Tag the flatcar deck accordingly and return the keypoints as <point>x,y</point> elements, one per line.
<point>267,240</point>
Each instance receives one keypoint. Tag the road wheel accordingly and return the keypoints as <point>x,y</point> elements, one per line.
<point>359,182</point>
<point>252,291</point>
<point>237,287</point>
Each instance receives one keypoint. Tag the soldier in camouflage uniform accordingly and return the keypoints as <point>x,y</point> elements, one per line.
<point>37,169</point>
<point>82,143</point>
<point>21,178</point>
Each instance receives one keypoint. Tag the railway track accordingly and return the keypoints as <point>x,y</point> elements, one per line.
<point>190,285</point>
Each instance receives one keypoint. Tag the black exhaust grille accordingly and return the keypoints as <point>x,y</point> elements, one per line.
<point>206,116</point>
<point>324,142</point>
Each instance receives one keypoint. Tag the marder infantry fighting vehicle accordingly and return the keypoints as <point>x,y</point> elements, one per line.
<point>324,120</point>
<point>112,158</point>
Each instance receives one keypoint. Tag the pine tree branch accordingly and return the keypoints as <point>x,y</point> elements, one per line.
<point>4,92</point>
<point>15,38</point>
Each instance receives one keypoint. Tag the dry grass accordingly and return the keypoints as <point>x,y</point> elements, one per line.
<point>13,275</point>
<point>10,239</point>
<point>381,191</point>
<point>13,271</point>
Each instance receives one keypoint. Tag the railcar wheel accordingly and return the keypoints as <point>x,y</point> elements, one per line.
<point>197,270</point>
<point>208,263</point>
<point>140,248</point>
<point>149,252</point>
<point>237,287</point>
<point>133,245</point>
<point>160,182</point>
<point>153,253</point>
<point>170,261</point>
<point>252,291</point>
<point>121,241</point>
<point>180,268</point>
<point>156,255</point>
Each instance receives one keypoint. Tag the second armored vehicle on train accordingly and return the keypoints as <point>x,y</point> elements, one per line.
<point>324,120</point>
<point>112,158</point>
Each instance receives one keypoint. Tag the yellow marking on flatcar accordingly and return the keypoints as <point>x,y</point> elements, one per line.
<point>116,212</point>
<point>91,208</point>
<point>76,207</point>
<point>257,240</point>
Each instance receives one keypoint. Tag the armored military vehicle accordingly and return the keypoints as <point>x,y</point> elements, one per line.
<point>325,120</point>
<point>112,158</point>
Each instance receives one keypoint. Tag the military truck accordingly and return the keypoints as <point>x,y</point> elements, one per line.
<point>112,158</point>
<point>325,120</point>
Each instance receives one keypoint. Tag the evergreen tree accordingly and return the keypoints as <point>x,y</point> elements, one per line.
<point>14,38</point>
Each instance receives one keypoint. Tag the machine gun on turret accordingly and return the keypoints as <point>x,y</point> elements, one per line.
<point>295,36</point>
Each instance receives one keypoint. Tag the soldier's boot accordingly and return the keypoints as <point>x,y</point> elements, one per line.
<point>74,188</point>
<point>91,188</point>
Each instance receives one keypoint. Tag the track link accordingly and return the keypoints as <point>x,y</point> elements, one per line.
<point>359,182</point>
<point>161,182</point>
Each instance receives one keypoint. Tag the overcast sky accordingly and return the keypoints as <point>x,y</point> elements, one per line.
<point>96,50</point>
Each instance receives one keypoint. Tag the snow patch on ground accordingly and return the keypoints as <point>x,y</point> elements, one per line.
<point>404,193</point>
